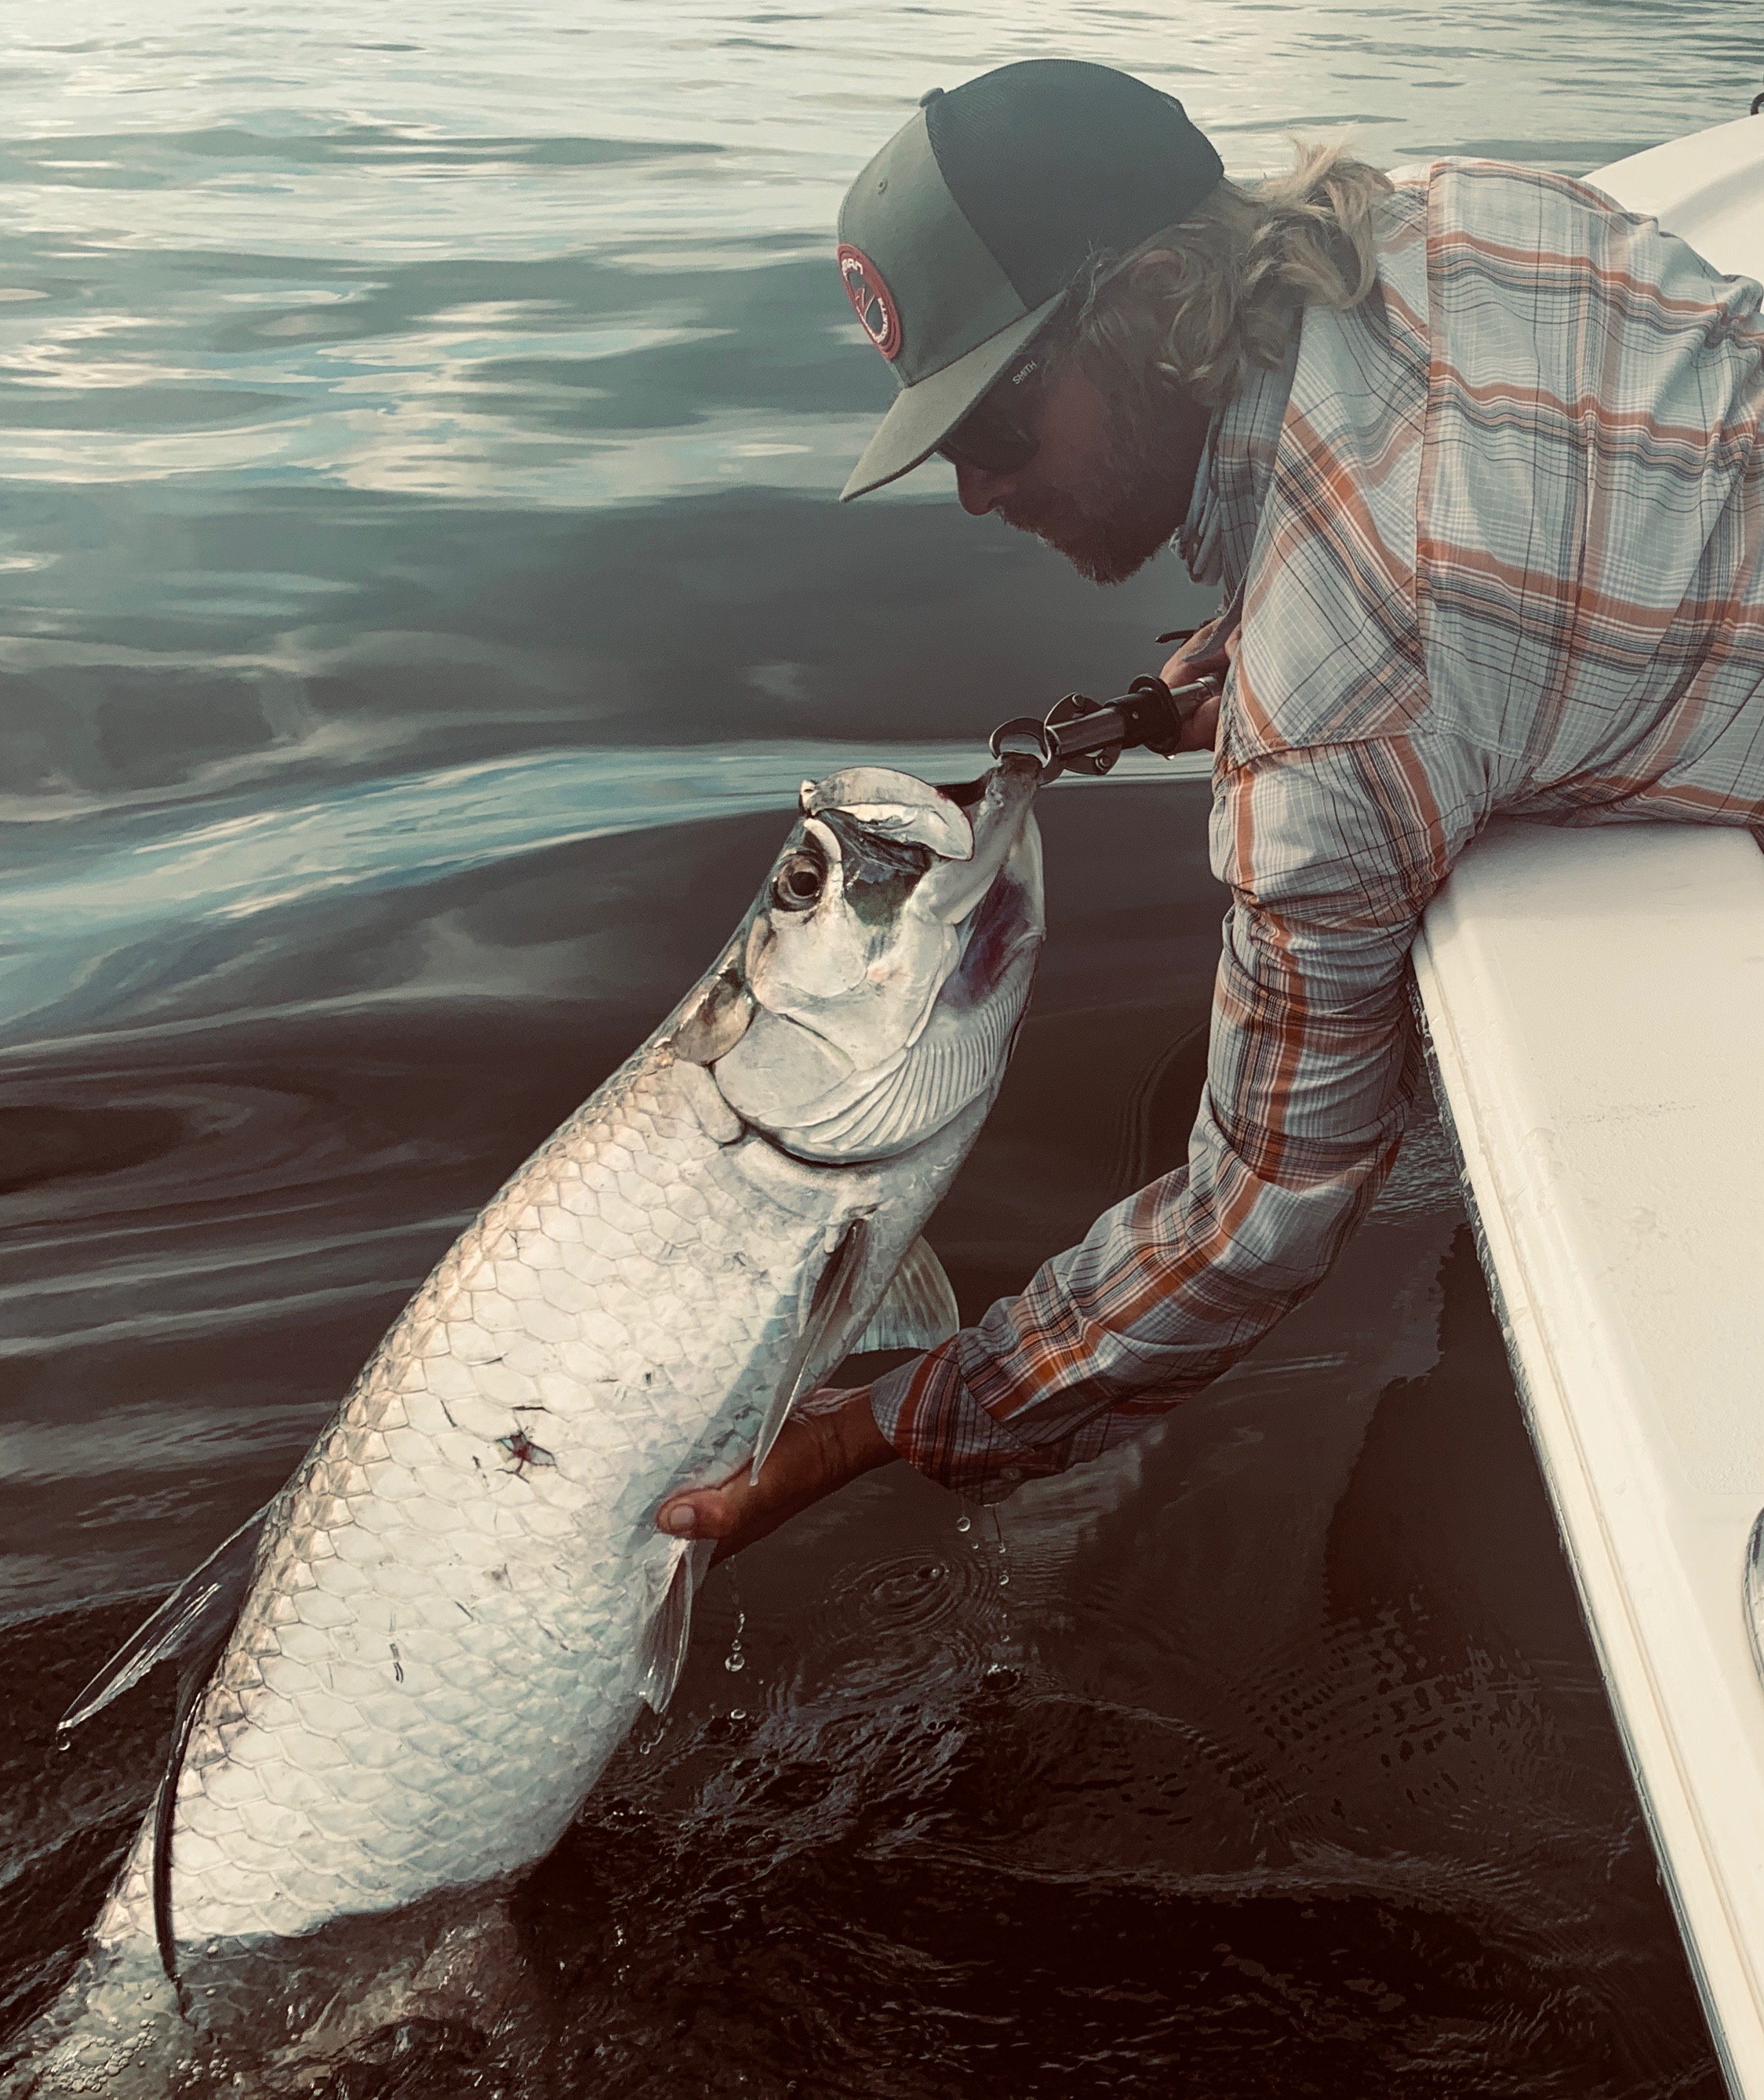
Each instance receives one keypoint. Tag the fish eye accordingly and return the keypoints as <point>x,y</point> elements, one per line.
<point>799,883</point>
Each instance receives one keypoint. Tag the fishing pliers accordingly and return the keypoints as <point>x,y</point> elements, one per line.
<point>1078,734</point>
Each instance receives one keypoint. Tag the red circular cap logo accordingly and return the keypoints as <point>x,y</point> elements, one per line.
<point>871,301</point>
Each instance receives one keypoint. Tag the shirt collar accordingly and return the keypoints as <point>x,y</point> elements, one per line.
<point>1235,469</point>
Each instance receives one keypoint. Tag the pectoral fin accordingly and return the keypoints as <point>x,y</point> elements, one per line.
<point>830,1304</point>
<point>920,1310</point>
<point>668,1631</point>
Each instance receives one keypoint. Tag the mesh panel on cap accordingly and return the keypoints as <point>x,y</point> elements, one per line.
<point>1052,158</point>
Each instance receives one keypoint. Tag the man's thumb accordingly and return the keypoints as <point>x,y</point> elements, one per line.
<point>709,1513</point>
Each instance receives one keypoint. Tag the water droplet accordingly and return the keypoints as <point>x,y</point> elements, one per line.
<point>1004,1578</point>
<point>736,1659</point>
<point>964,1523</point>
<point>63,1742</point>
<point>738,1712</point>
<point>1000,1677</point>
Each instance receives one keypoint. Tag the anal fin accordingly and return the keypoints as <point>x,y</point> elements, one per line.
<point>920,1309</point>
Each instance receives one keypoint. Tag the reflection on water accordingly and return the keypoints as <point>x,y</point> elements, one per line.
<point>424,592</point>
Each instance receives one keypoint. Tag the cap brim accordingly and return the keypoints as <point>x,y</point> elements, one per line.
<point>923,415</point>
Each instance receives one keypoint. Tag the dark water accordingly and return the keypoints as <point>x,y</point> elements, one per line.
<point>424,592</point>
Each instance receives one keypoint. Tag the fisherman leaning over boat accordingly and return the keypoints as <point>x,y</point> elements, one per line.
<point>1475,459</point>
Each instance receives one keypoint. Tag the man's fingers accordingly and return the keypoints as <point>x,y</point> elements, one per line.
<point>1200,732</point>
<point>1183,669</point>
<point>813,1456</point>
<point>1200,656</point>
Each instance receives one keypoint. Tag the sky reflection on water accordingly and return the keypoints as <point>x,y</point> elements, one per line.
<point>321,352</point>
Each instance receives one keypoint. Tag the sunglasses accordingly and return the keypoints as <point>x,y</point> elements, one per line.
<point>995,436</point>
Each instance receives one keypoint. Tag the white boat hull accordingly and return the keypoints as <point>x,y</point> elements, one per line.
<point>1595,1000</point>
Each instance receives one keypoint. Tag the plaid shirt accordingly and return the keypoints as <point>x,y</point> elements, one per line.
<point>1496,535</point>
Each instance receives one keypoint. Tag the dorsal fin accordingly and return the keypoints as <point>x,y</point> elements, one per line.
<point>185,1622</point>
<point>193,1625</point>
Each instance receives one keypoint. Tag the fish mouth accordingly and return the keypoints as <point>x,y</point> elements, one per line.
<point>997,807</point>
<point>1013,765</point>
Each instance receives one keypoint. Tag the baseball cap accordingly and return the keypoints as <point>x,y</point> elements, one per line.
<point>957,241</point>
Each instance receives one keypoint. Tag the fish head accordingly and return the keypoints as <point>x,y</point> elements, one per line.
<point>875,991</point>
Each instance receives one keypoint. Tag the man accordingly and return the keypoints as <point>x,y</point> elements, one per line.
<point>1476,459</point>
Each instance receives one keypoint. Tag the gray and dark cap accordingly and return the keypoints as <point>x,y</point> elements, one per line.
<point>958,239</point>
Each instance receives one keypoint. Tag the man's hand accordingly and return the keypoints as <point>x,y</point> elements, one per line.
<point>832,1438</point>
<point>1199,656</point>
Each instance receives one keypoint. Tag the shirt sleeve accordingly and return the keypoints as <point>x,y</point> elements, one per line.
<point>1330,854</point>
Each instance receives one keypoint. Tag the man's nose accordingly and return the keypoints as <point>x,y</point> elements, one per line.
<point>978,490</point>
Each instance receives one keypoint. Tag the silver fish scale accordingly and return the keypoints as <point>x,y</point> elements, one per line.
<point>439,1649</point>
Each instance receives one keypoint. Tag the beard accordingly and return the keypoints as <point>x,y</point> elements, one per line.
<point>1130,499</point>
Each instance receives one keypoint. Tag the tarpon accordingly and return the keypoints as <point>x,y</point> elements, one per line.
<point>400,1680</point>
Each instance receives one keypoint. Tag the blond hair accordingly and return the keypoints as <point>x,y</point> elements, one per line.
<point>1202,301</point>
